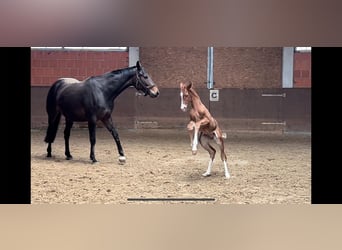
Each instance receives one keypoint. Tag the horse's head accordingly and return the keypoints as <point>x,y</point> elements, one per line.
<point>145,83</point>
<point>184,95</point>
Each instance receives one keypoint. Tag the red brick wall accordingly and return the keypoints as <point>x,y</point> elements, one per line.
<point>233,67</point>
<point>170,65</point>
<point>251,67</point>
<point>302,70</point>
<point>49,65</point>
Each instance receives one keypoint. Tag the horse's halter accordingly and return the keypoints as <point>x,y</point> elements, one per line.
<point>143,82</point>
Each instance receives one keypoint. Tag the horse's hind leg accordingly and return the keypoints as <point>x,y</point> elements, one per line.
<point>68,126</point>
<point>204,141</point>
<point>92,138</point>
<point>51,131</point>
<point>49,150</point>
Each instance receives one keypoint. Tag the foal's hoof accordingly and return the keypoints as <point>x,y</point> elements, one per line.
<point>122,159</point>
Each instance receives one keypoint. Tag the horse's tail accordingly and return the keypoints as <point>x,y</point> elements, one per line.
<point>54,115</point>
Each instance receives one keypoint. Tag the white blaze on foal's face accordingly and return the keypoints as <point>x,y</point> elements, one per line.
<point>183,105</point>
<point>184,96</point>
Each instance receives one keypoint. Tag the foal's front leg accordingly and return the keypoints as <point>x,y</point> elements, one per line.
<point>195,140</point>
<point>190,128</point>
<point>197,126</point>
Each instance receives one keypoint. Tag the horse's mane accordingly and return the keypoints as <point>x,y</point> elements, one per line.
<point>117,71</point>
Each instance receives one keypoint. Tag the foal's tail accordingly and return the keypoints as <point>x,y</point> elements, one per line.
<point>54,116</point>
<point>223,134</point>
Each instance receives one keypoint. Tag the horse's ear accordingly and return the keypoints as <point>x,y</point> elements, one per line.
<point>138,65</point>
<point>189,85</point>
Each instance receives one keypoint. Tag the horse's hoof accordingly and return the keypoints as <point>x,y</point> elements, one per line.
<point>194,152</point>
<point>122,159</point>
<point>68,158</point>
<point>227,176</point>
<point>48,156</point>
<point>206,174</point>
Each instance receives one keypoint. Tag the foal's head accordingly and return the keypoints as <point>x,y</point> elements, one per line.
<point>145,83</point>
<point>185,95</point>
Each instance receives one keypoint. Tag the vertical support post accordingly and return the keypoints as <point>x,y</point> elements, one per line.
<point>287,74</point>
<point>133,56</point>
<point>210,68</point>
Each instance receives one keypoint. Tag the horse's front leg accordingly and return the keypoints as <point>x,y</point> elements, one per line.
<point>109,125</point>
<point>92,138</point>
<point>68,126</point>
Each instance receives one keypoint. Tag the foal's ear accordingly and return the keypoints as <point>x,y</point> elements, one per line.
<point>189,85</point>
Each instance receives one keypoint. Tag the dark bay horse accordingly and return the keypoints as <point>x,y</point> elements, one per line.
<point>203,128</point>
<point>92,100</point>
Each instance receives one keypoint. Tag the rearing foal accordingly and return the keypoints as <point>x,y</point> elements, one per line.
<point>203,128</point>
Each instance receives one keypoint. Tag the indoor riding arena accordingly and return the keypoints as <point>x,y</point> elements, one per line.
<point>260,96</point>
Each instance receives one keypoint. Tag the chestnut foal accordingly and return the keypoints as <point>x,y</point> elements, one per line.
<point>203,128</point>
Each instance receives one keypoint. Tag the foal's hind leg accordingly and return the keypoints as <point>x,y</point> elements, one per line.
<point>204,141</point>
<point>68,126</point>
<point>223,157</point>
